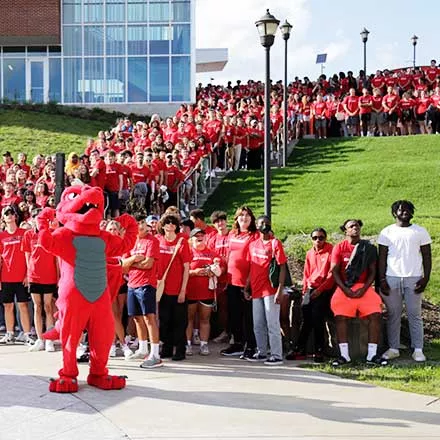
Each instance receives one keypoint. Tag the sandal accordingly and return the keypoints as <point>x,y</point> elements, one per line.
<point>378,361</point>
<point>339,362</point>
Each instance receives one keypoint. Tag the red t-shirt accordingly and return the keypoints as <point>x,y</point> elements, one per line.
<point>238,263</point>
<point>390,101</point>
<point>260,255</point>
<point>406,104</point>
<point>112,177</point>
<point>100,178</point>
<point>41,201</point>
<point>42,267</point>
<point>422,105</point>
<point>228,133</point>
<point>431,73</point>
<point>220,245</point>
<point>377,103</point>
<point>341,255</point>
<point>148,247</point>
<point>173,282</point>
<point>173,175</point>
<point>405,81</point>
<point>13,258</point>
<point>12,200</point>
<point>352,104</point>
<point>126,175</point>
<point>319,108</point>
<point>365,100</point>
<point>378,82</point>
<point>198,286</point>
<point>139,174</point>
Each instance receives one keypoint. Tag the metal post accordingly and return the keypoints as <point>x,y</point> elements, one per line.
<point>285,122</point>
<point>267,143</point>
<point>414,56</point>
<point>365,58</point>
<point>59,176</point>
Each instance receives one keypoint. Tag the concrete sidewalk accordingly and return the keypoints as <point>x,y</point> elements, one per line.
<point>204,398</point>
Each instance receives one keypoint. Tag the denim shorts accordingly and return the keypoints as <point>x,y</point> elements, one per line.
<point>141,301</point>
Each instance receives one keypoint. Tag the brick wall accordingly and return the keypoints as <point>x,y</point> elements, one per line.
<point>38,19</point>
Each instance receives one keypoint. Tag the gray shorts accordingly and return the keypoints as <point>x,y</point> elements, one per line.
<point>352,121</point>
<point>377,118</point>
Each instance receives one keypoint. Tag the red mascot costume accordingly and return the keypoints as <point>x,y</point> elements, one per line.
<point>83,297</point>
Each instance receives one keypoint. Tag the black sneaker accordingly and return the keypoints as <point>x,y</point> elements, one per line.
<point>340,361</point>
<point>166,352</point>
<point>257,357</point>
<point>248,353</point>
<point>232,350</point>
<point>178,357</point>
<point>378,361</point>
<point>273,361</point>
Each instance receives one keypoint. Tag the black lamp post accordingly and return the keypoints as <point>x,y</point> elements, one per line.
<point>267,27</point>
<point>414,39</point>
<point>364,36</point>
<point>286,27</point>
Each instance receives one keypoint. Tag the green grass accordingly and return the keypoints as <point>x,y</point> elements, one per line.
<point>39,133</point>
<point>329,181</point>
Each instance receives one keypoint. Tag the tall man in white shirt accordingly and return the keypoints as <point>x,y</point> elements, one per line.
<point>404,270</point>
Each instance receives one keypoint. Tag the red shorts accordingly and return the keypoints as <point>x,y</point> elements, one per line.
<point>368,304</point>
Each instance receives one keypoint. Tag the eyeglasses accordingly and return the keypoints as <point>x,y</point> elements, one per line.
<point>318,237</point>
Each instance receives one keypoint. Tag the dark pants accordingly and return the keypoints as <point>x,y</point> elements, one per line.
<point>314,317</point>
<point>365,119</point>
<point>172,201</point>
<point>254,158</point>
<point>240,317</point>
<point>173,320</point>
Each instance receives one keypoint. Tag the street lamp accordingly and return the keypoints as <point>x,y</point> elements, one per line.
<point>414,39</point>
<point>267,27</point>
<point>285,28</point>
<point>364,36</point>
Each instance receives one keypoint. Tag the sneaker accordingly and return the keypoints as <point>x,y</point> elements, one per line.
<point>213,175</point>
<point>418,356</point>
<point>178,357</point>
<point>189,350</point>
<point>126,351</point>
<point>81,350</point>
<point>136,356</point>
<point>273,361</point>
<point>257,357</point>
<point>37,346</point>
<point>134,344</point>
<point>2,328</point>
<point>232,350</point>
<point>204,350</point>
<point>196,339</point>
<point>296,356</point>
<point>391,354</point>
<point>8,338</point>
<point>248,353</point>
<point>29,340</point>
<point>152,362</point>
<point>377,360</point>
<point>222,337</point>
<point>21,337</point>
<point>49,346</point>
<point>112,353</point>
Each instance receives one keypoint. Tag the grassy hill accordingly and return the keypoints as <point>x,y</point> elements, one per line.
<point>42,133</point>
<point>329,181</point>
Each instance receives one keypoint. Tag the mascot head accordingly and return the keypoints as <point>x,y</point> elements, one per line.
<point>81,209</point>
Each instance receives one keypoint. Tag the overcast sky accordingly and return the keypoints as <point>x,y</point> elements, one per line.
<point>319,26</point>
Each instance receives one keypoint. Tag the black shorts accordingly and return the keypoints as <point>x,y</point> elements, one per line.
<point>123,289</point>
<point>113,200</point>
<point>14,291</point>
<point>421,117</point>
<point>391,117</point>
<point>42,288</point>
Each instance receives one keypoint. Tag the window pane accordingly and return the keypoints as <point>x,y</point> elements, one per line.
<point>159,79</point>
<point>72,80</point>
<point>93,11</point>
<point>159,11</point>
<point>72,12</point>
<point>93,40</point>
<point>55,79</point>
<point>137,40</point>
<point>94,80</point>
<point>72,40</point>
<point>137,80</point>
<point>181,79</point>
<point>159,37</point>
<point>181,11</point>
<point>181,39</point>
<point>115,40</point>
<point>137,12</point>
<point>115,11</point>
<point>14,79</point>
<point>115,80</point>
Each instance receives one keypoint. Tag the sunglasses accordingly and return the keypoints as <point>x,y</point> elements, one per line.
<point>8,213</point>
<point>318,237</point>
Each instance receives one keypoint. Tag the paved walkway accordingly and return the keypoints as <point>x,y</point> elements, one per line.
<point>204,398</point>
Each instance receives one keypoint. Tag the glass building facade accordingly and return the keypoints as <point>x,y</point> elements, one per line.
<point>112,51</point>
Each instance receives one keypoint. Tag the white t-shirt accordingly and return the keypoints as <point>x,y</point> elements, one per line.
<point>403,243</point>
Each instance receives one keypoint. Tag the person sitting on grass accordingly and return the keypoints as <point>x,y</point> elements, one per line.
<point>353,265</point>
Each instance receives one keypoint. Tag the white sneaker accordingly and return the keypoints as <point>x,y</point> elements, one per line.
<point>137,355</point>
<point>204,350</point>
<point>418,356</point>
<point>8,338</point>
<point>21,337</point>
<point>127,352</point>
<point>213,174</point>
<point>50,346</point>
<point>112,353</point>
<point>390,354</point>
<point>29,340</point>
<point>222,337</point>
<point>189,350</point>
<point>196,339</point>
<point>37,346</point>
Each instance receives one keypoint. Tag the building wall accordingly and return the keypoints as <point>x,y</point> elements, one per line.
<point>162,109</point>
<point>29,22</point>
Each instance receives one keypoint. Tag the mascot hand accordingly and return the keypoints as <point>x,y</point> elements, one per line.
<point>45,218</point>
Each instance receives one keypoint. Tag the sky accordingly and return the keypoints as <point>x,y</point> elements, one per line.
<point>319,26</point>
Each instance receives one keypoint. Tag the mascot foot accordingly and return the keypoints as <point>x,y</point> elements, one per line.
<point>52,334</point>
<point>63,385</point>
<point>106,382</point>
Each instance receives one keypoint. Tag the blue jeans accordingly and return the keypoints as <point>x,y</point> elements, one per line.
<point>266,316</point>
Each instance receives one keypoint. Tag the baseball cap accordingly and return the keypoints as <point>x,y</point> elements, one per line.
<point>152,218</point>
<point>196,231</point>
<point>7,210</point>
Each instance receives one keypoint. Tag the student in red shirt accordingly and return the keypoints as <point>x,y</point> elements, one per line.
<point>9,197</point>
<point>113,184</point>
<point>42,274</point>
<point>97,170</point>
<point>266,298</point>
<point>243,233</point>
<point>390,104</point>
<point>13,277</point>
<point>354,296</point>
<point>377,118</point>
<point>201,289</point>
<point>174,177</point>
<point>434,111</point>
<point>365,106</point>
<point>421,108</point>
<point>319,109</point>
<point>198,218</point>
<point>173,308</point>
<point>351,108</point>
<point>406,107</point>
<point>318,286</point>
